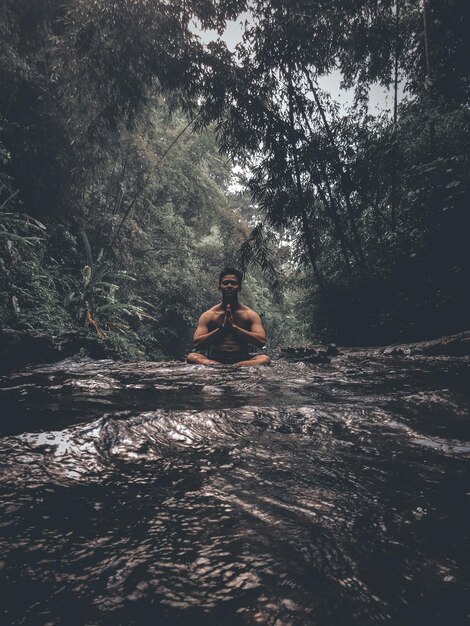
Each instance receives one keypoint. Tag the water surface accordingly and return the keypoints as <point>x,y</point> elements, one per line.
<point>291,495</point>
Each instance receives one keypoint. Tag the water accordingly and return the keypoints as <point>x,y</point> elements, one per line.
<point>291,495</point>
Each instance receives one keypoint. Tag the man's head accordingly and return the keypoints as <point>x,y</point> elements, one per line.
<point>230,282</point>
<point>231,271</point>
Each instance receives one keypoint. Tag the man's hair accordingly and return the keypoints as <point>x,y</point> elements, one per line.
<point>231,270</point>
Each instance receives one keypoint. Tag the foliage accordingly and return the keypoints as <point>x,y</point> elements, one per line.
<point>75,74</point>
<point>98,103</point>
<point>29,298</point>
<point>363,198</point>
<point>109,113</point>
<point>144,295</point>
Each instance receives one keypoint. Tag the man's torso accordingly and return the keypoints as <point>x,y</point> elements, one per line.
<point>229,342</point>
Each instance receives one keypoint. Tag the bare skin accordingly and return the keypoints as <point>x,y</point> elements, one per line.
<point>229,327</point>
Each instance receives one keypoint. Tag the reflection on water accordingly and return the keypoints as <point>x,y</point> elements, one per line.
<point>291,495</point>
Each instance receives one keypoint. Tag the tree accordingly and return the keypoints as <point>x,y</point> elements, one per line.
<point>345,186</point>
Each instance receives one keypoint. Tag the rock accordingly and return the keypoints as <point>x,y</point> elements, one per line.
<point>453,345</point>
<point>309,354</point>
<point>19,348</point>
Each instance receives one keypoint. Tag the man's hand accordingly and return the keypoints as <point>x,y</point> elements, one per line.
<point>256,335</point>
<point>228,319</point>
<point>204,337</point>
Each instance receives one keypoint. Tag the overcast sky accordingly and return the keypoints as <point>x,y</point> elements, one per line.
<point>379,98</point>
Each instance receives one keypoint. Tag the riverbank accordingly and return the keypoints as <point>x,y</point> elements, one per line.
<point>20,348</point>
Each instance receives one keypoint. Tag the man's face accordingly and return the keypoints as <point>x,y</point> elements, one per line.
<point>229,286</point>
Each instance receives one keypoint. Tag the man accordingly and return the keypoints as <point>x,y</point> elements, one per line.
<point>226,330</point>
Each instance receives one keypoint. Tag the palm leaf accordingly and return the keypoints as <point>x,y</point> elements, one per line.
<point>86,244</point>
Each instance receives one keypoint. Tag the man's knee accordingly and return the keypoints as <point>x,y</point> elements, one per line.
<point>260,359</point>
<point>193,357</point>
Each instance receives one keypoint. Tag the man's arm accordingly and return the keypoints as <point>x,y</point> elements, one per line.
<point>202,336</point>
<point>256,335</point>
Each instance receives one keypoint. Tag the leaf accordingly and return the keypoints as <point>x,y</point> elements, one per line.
<point>104,283</point>
<point>16,306</point>
<point>69,298</point>
<point>86,273</point>
<point>117,306</point>
<point>86,243</point>
<point>30,241</point>
<point>10,197</point>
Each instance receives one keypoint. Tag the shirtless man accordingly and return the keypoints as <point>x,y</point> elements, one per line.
<point>226,330</point>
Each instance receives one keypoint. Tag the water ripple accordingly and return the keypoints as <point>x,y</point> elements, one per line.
<point>291,495</point>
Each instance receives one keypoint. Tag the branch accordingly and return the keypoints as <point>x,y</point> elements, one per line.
<point>144,185</point>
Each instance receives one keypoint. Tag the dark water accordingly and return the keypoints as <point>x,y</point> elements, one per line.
<point>296,494</point>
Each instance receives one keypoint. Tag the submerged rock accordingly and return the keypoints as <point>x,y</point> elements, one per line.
<point>309,354</point>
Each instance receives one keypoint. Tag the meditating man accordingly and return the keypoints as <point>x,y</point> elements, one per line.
<point>226,330</point>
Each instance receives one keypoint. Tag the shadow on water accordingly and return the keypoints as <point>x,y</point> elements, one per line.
<point>296,494</point>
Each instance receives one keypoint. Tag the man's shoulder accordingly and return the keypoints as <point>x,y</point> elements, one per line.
<point>212,311</point>
<point>249,313</point>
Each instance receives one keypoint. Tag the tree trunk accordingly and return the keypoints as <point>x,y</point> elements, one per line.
<point>306,228</point>
<point>310,245</point>
<point>394,198</point>
<point>429,80</point>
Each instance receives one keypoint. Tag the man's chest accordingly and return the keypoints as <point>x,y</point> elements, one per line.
<point>239,319</point>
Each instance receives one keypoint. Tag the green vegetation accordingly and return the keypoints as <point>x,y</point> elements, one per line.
<point>145,293</point>
<point>118,134</point>
<point>376,207</point>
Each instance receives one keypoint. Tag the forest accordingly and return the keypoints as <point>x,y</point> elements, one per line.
<point>137,160</point>
<point>319,149</point>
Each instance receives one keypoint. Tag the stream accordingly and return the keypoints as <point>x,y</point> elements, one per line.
<point>296,494</point>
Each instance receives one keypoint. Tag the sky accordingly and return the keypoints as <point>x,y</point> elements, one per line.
<point>379,98</point>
